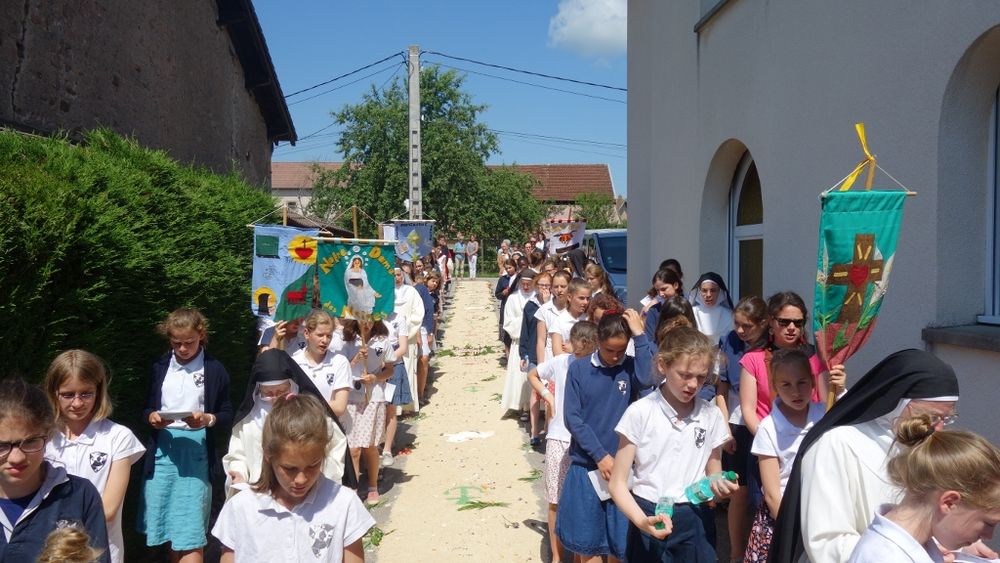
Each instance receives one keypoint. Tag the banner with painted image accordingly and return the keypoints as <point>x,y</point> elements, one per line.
<point>356,278</point>
<point>284,269</point>
<point>858,233</point>
<point>414,239</point>
<point>564,236</point>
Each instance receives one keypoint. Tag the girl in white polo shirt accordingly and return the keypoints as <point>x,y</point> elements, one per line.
<point>328,370</point>
<point>778,438</point>
<point>668,440</point>
<point>307,516</point>
<point>87,443</point>
<point>578,297</point>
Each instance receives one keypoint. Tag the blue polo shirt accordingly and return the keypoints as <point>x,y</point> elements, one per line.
<point>425,296</point>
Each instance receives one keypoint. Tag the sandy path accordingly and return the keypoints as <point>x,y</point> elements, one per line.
<point>423,491</point>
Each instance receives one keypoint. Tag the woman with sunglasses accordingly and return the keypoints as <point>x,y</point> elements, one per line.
<point>36,496</point>
<point>787,317</point>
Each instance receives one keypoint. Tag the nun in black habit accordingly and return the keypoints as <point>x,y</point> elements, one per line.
<point>275,369</point>
<point>839,478</point>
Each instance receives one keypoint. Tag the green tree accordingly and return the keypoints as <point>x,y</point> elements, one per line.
<point>460,193</point>
<point>597,209</point>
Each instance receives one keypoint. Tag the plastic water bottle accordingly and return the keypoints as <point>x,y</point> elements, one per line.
<point>701,491</point>
<point>664,506</point>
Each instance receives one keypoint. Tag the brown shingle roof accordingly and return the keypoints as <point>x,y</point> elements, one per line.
<point>561,183</point>
<point>294,175</point>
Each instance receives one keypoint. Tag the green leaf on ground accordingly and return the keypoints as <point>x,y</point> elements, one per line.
<point>535,475</point>
<point>496,397</point>
<point>374,537</point>
<point>444,353</point>
<point>479,505</point>
<point>490,378</point>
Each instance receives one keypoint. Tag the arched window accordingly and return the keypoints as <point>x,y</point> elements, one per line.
<point>991,312</point>
<point>746,231</point>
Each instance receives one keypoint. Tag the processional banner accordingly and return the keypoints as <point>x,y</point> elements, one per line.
<point>564,236</point>
<point>414,239</point>
<point>858,232</point>
<point>356,278</point>
<point>284,271</point>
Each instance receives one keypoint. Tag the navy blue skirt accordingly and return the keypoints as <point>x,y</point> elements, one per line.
<point>402,395</point>
<point>585,524</point>
<point>689,542</point>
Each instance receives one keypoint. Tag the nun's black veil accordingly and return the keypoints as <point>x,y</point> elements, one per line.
<point>907,374</point>
<point>277,365</point>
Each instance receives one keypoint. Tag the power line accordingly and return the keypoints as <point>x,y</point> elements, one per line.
<point>335,88</point>
<point>566,139</point>
<point>314,133</point>
<point>575,93</point>
<point>512,69</point>
<point>355,71</point>
<point>570,149</point>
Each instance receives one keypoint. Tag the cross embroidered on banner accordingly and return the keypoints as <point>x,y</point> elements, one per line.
<point>857,276</point>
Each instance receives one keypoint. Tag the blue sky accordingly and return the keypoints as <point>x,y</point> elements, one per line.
<point>314,41</point>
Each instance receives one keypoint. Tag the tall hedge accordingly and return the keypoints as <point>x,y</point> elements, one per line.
<point>99,240</point>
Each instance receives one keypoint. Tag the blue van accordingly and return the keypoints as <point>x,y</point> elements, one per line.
<point>608,249</point>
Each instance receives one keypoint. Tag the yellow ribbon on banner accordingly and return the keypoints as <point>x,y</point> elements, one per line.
<point>869,161</point>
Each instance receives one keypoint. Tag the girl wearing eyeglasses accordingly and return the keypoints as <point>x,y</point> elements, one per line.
<point>787,317</point>
<point>86,442</point>
<point>37,496</point>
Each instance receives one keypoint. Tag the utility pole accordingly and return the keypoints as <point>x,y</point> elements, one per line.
<point>416,179</point>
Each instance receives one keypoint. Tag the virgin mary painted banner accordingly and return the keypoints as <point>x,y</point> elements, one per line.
<point>356,278</point>
<point>284,270</point>
<point>858,232</point>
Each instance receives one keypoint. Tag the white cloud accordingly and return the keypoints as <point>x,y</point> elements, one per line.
<point>592,28</point>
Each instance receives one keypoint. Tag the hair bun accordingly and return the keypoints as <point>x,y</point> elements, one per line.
<point>912,431</point>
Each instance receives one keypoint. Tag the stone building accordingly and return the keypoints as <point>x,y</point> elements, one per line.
<point>192,78</point>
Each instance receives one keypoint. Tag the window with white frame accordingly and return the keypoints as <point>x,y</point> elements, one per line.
<point>746,232</point>
<point>991,311</point>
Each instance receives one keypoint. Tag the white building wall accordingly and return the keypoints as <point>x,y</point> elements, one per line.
<point>787,80</point>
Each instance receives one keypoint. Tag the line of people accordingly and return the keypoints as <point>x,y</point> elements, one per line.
<point>655,417</point>
<point>318,413</point>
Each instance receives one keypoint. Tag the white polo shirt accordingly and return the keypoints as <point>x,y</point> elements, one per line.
<point>563,322</point>
<point>333,373</point>
<point>555,370</point>
<point>670,453</point>
<point>396,323</point>
<point>887,542</point>
<point>777,437</point>
<point>376,361</point>
<point>183,388</point>
<point>90,456</point>
<point>330,518</point>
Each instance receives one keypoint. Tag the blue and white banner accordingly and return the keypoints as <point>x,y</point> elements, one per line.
<point>284,268</point>
<point>413,239</point>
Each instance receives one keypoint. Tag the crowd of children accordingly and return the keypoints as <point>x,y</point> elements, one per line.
<point>653,420</point>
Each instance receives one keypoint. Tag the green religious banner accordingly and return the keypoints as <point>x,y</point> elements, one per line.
<point>356,278</point>
<point>858,232</point>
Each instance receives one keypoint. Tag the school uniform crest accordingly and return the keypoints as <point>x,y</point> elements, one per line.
<point>329,378</point>
<point>98,460</point>
<point>621,387</point>
<point>699,436</point>
<point>199,379</point>
<point>322,536</point>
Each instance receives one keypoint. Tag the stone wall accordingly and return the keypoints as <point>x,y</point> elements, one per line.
<point>162,72</point>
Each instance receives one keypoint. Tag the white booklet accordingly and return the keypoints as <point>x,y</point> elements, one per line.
<point>177,415</point>
<point>601,485</point>
<point>389,390</point>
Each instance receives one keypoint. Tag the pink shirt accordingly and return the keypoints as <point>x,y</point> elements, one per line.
<point>753,362</point>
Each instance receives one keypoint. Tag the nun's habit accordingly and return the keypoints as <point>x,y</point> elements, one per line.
<point>839,477</point>
<point>245,455</point>
<point>717,320</point>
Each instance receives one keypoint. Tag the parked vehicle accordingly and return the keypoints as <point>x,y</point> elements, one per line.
<point>608,249</point>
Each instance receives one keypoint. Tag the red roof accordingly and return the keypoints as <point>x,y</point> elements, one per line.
<point>563,182</point>
<point>559,183</point>
<point>295,175</point>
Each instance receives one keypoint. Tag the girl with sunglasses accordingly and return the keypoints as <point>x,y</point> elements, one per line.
<point>37,496</point>
<point>787,317</point>
<point>86,442</point>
